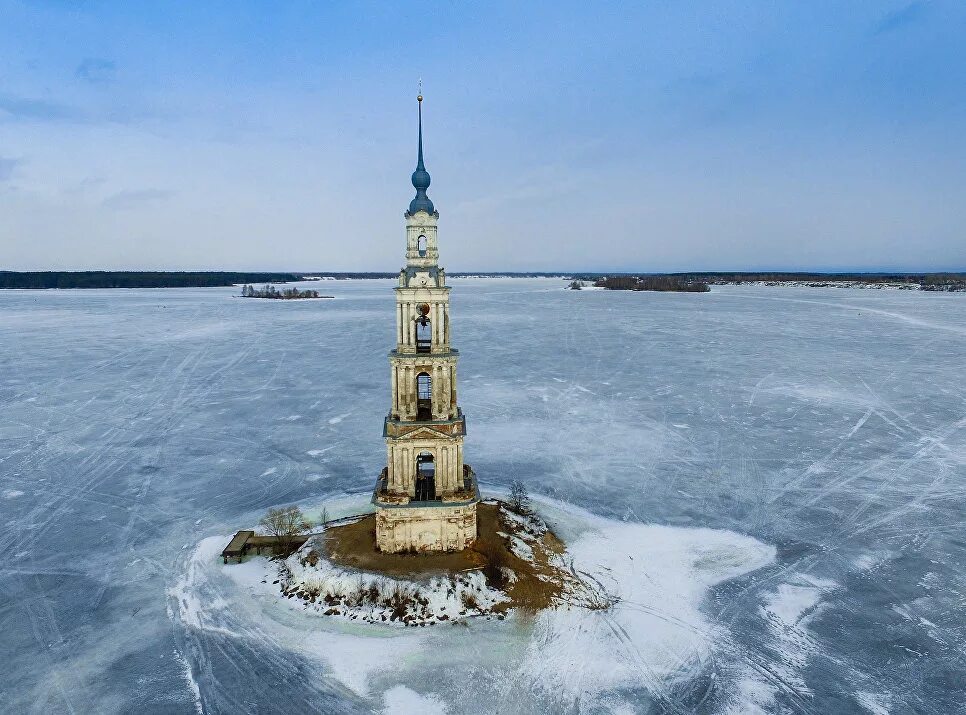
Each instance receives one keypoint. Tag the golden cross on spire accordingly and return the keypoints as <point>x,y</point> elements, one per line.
<point>419,95</point>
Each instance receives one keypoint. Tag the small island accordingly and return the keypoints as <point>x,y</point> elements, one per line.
<point>270,291</point>
<point>515,563</point>
<point>658,283</point>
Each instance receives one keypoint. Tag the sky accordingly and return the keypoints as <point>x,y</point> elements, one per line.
<point>647,136</point>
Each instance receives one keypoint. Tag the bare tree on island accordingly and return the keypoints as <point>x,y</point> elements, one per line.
<point>285,524</point>
<point>519,497</point>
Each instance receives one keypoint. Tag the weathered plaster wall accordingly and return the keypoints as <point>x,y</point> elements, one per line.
<point>436,528</point>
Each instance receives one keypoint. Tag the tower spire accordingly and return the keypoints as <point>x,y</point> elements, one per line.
<point>419,102</point>
<point>420,177</point>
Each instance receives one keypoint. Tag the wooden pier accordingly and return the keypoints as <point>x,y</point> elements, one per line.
<point>244,543</point>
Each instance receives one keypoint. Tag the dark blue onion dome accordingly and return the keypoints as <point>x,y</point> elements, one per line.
<point>421,178</point>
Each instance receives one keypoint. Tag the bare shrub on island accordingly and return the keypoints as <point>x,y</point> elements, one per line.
<point>469,601</point>
<point>519,498</point>
<point>285,524</point>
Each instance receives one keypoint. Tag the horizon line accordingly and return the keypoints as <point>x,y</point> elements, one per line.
<point>546,272</point>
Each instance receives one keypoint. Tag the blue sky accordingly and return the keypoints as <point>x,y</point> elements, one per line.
<point>654,136</point>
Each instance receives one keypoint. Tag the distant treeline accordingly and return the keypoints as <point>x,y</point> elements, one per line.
<point>190,279</point>
<point>660,283</point>
<point>201,279</point>
<point>920,278</point>
<point>135,279</point>
<point>748,277</point>
<point>465,274</point>
<point>925,281</point>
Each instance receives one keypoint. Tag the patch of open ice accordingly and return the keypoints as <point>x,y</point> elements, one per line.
<point>870,561</point>
<point>400,700</point>
<point>354,657</point>
<point>786,606</point>
<point>875,703</point>
<point>788,611</point>
<point>190,680</point>
<point>197,606</point>
<point>751,696</point>
<point>656,631</point>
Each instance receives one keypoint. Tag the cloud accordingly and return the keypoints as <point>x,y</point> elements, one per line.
<point>96,70</point>
<point>24,108</point>
<point>131,199</point>
<point>900,18</point>
<point>7,167</point>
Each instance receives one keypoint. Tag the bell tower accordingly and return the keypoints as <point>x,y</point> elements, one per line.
<point>426,496</point>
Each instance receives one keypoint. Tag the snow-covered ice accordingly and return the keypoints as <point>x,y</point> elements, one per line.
<point>676,440</point>
<point>654,635</point>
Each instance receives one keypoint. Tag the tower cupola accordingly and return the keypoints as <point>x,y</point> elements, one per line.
<point>421,178</point>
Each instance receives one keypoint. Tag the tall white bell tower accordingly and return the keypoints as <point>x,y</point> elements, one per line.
<point>426,496</point>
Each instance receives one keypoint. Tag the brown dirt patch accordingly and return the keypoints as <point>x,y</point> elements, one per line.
<point>354,545</point>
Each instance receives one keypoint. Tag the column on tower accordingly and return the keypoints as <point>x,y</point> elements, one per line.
<point>395,390</point>
<point>440,322</point>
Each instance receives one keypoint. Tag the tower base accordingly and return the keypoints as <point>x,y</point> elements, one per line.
<point>406,525</point>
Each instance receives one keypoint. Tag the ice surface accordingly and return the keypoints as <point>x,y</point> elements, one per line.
<point>828,423</point>
<point>655,633</point>
<point>400,700</point>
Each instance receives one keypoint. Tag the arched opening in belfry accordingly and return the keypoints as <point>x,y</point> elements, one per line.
<point>424,396</point>
<point>421,245</point>
<point>424,330</point>
<point>425,477</point>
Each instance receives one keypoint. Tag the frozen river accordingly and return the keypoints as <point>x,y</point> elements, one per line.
<point>829,424</point>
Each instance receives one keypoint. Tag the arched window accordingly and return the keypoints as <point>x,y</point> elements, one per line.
<point>425,477</point>
<point>421,245</point>
<point>424,330</point>
<point>424,396</point>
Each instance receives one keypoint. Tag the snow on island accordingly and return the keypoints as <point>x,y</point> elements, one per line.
<point>516,562</point>
<point>656,631</point>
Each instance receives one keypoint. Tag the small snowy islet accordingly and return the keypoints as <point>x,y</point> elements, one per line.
<point>654,634</point>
